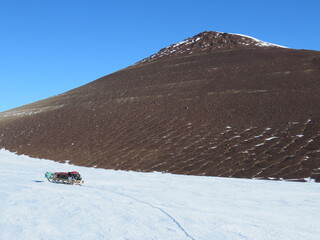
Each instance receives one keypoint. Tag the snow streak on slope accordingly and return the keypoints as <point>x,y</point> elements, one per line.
<point>130,205</point>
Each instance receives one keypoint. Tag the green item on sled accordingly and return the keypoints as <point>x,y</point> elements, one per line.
<point>48,175</point>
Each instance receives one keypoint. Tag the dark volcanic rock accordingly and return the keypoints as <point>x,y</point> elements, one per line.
<point>248,111</point>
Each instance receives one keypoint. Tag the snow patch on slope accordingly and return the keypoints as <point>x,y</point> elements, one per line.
<point>259,43</point>
<point>27,112</point>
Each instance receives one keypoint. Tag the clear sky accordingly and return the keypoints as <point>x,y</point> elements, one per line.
<point>48,47</point>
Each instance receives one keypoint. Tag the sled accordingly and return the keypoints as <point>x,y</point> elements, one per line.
<point>72,178</point>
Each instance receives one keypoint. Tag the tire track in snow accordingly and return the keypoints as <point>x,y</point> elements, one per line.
<point>158,208</point>
<point>152,206</point>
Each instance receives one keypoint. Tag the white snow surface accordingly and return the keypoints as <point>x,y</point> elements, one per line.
<point>130,205</point>
<point>259,42</point>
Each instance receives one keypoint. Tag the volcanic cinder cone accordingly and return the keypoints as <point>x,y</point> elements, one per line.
<point>215,104</point>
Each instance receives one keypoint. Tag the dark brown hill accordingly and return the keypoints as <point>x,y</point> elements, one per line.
<point>235,110</point>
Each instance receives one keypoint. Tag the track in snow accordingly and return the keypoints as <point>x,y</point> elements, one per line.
<point>158,208</point>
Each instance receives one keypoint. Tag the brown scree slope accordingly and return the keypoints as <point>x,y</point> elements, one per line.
<point>216,105</point>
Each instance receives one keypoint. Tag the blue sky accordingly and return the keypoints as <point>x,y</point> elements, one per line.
<point>49,47</point>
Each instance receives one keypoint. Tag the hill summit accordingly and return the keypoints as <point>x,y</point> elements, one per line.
<point>208,41</point>
<point>216,104</point>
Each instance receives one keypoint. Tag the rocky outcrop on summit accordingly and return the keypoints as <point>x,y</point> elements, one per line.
<point>251,110</point>
<point>206,42</point>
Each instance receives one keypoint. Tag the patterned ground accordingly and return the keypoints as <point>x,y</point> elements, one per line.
<point>251,113</point>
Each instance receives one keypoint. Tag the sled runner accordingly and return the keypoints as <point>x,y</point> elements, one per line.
<point>64,177</point>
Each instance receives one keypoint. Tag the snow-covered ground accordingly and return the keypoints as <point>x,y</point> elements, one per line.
<point>129,205</point>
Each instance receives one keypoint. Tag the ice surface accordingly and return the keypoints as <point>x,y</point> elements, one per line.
<point>131,205</point>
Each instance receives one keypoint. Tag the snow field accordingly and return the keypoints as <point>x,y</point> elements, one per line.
<point>130,205</point>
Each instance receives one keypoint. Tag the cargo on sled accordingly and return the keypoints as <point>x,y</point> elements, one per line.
<point>64,177</point>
